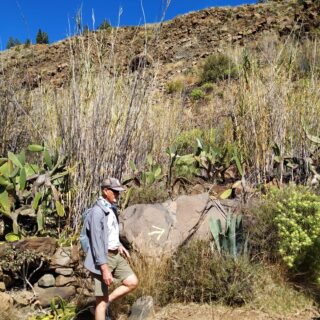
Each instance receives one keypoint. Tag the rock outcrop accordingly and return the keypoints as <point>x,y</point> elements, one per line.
<point>177,45</point>
<point>155,229</point>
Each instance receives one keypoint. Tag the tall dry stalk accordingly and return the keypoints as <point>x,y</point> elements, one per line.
<point>269,100</point>
<point>109,114</point>
<point>104,118</point>
<point>97,119</point>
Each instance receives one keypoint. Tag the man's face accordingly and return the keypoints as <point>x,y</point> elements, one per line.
<point>111,195</point>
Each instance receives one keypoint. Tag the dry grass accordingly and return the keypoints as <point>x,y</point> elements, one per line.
<point>103,119</point>
<point>152,274</point>
<point>271,294</point>
<point>275,296</point>
<point>108,116</point>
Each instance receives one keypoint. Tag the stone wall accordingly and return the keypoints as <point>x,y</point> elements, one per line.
<point>63,275</point>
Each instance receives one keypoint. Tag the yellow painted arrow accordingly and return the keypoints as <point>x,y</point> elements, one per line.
<point>158,231</point>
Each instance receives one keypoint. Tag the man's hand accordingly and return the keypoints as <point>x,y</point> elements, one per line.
<point>106,274</point>
<point>124,252</point>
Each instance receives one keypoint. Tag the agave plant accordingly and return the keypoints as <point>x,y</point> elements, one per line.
<point>230,239</point>
<point>29,189</point>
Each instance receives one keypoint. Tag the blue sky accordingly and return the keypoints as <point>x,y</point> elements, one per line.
<point>22,18</point>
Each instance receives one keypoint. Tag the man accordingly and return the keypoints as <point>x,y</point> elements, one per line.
<point>106,256</point>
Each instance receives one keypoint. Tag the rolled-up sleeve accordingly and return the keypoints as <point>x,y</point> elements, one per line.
<point>98,236</point>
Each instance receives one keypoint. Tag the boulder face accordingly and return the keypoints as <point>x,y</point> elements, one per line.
<point>155,229</point>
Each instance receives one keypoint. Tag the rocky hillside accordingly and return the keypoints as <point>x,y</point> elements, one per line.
<point>178,44</point>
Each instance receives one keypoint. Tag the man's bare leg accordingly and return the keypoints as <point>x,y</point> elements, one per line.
<point>127,286</point>
<point>101,307</point>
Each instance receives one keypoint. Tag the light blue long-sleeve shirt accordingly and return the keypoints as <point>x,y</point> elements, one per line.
<point>97,226</point>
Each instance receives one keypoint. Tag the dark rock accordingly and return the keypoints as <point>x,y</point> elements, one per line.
<point>39,245</point>
<point>8,281</point>
<point>75,254</point>
<point>46,295</point>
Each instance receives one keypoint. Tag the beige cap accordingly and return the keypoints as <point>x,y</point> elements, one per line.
<point>112,183</point>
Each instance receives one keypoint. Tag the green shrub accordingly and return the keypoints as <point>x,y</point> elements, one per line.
<point>105,25</point>
<point>59,309</point>
<point>186,141</point>
<point>263,238</point>
<point>12,43</point>
<point>199,274</point>
<point>218,67</point>
<point>207,87</point>
<point>197,94</point>
<point>149,194</point>
<point>298,223</point>
<point>27,43</point>
<point>287,228</point>
<point>19,263</point>
<point>174,86</point>
<point>42,37</point>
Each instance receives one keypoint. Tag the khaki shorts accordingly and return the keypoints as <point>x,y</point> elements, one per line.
<point>120,270</point>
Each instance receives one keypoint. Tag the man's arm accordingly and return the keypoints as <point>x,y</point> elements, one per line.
<point>124,252</point>
<point>106,274</point>
<point>97,236</point>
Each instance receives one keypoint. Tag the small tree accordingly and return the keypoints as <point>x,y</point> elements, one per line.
<point>13,42</point>
<point>10,43</point>
<point>85,30</point>
<point>27,43</point>
<point>218,67</point>
<point>105,25</point>
<point>42,37</point>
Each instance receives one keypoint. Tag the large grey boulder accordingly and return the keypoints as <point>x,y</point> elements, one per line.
<point>155,229</point>
<point>65,257</point>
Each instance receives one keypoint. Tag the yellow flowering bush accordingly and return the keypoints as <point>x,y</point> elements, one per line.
<point>298,222</point>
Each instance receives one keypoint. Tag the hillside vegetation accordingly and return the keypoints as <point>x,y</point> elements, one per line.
<point>225,101</point>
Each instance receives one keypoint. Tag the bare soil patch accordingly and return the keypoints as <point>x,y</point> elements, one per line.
<point>214,312</point>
